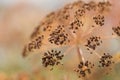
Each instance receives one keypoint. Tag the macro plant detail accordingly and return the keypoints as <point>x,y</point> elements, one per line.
<point>74,27</point>
<point>116,30</point>
<point>106,60</point>
<point>35,44</point>
<point>93,42</point>
<point>99,20</point>
<point>59,37</point>
<point>52,58</point>
<point>84,68</point>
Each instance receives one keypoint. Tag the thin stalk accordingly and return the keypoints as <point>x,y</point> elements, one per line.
<point>80,54</point>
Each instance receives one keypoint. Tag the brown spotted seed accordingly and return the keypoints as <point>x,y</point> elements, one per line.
<point>99,20</point>
<point>116,30</point>
<point>84,68</point>
<point>93,42</point>
<point>59,36</point>
<point>52,58</point>
<point>106,60</point>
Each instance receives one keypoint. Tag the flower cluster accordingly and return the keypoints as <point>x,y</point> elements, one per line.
<point>116,30</point>
<point>52,58</point>
<point>106,60</point>
<point>73,25</point>
<point>84,68</point>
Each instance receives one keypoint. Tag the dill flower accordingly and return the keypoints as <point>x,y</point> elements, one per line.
<point>75,26</point>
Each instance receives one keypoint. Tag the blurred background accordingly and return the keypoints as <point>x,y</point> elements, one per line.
<point>18,19</point>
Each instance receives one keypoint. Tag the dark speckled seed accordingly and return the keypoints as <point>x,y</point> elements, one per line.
<point>99,20</point>
<point>84,68</point>
<point>79,12</point>
<point>52,58</point>
<point>35,44</point>
<point>75,25</point>
<point>116,30</point>
<point>93,42</point>
<point>106,60</point>
<point>59,36</point>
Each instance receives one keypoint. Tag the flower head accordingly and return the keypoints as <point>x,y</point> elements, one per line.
<point>76,25</point>
<point>52,58</point>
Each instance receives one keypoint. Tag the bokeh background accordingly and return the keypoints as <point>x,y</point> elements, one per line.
<point>18,19</point>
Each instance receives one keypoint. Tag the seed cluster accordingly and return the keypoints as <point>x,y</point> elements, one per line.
<point>77,9</point>
<point>65,13</point>
<point>93,42</point>
<point>36,43</point>
<point>116,30</point>
<point>46,24</point>
<point>99,20</point>
<point>106,60</point>
<point>59,36</point>
<point>48,27</point>
<point>84,68</point>
<point>103,6</point>
<point>66,16</point>
<point>77,19</point>
<point>89,6</point>
<point>79,12</point>
<point>75,25</point>
<point>52,58</point>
